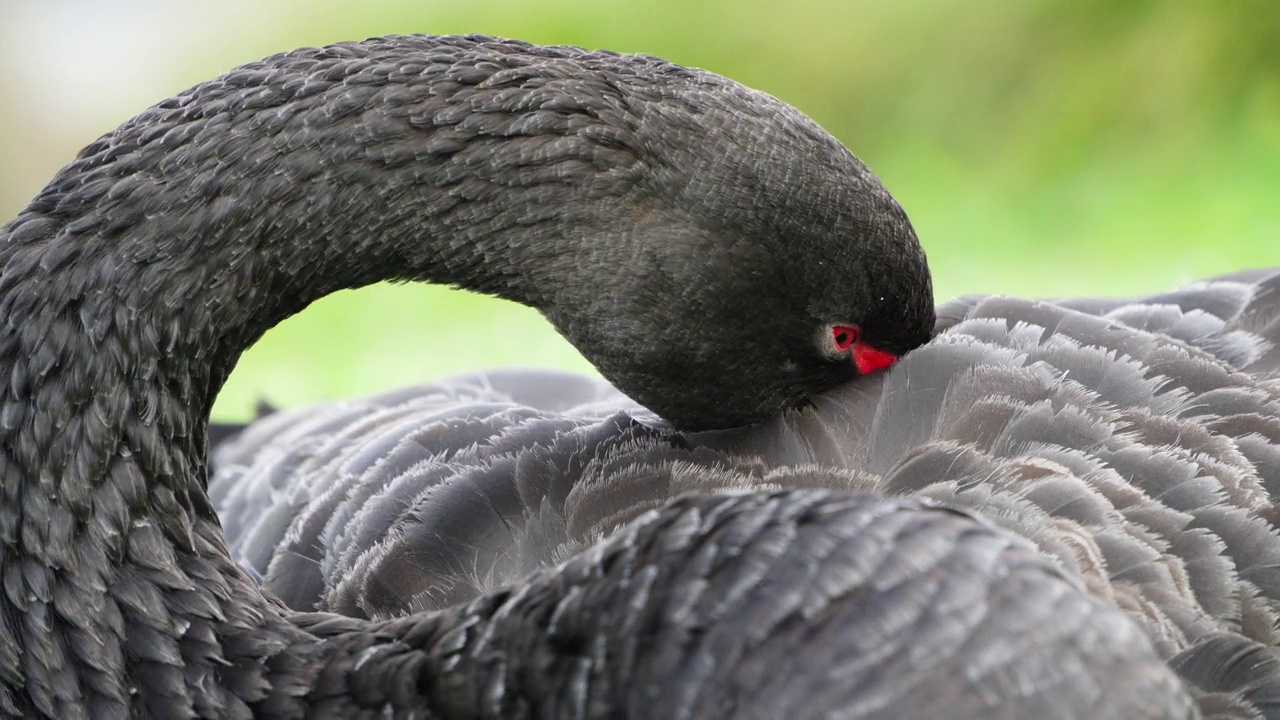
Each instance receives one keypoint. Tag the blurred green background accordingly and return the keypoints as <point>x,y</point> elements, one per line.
<point>1041,147</point>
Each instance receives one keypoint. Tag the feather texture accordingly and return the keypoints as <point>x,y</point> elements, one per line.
<point>1135,443</point>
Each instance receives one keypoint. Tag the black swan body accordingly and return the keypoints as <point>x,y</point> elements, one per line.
<point>1136,443</point>
<point>131,283</point>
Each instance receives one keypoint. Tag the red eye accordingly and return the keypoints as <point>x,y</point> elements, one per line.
<point>844,336</point>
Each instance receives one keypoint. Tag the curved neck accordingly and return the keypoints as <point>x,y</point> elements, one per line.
<point>132,283</point>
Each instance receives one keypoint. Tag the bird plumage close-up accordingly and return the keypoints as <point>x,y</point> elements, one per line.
<point>799,489</point>
<point>1136,443</point>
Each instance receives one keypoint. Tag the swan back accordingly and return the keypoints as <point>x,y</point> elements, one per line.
<point>1135,443</point>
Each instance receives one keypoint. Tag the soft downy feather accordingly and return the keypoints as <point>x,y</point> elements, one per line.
<point>1135,443</point>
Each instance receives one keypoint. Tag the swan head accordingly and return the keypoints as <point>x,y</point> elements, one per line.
<point>755,263</point>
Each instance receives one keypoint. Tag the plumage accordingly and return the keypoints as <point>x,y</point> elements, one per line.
<point>1133,442</point>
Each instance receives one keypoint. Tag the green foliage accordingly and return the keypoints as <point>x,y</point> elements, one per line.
<point>1041,147</point>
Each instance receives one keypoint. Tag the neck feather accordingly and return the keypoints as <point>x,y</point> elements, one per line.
<point>132,283</point>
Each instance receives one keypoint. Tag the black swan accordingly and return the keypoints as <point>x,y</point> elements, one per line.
<point>131,283</point>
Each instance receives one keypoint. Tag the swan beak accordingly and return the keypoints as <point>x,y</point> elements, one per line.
<point>869,359</point>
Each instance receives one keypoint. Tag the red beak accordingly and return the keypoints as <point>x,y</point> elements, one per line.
<point>869,359</point>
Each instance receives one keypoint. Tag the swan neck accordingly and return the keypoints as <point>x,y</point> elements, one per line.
<point>132,283</point>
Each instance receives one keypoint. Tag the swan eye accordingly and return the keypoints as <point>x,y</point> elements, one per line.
<point>844,336</point>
